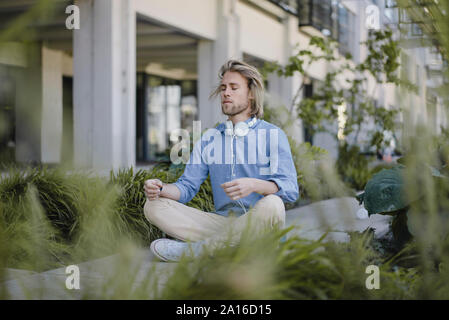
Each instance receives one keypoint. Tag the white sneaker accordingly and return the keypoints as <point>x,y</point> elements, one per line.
<point>172,250</point>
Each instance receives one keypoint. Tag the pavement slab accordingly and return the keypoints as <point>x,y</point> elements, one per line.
<point>97,278</point>
<point>336,216</point>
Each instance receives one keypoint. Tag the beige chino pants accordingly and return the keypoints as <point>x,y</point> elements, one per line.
<point>189,224</point>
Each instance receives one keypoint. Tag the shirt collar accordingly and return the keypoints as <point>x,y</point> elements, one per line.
<point>222,126</point>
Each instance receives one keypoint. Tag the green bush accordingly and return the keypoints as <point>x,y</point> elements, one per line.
<point>129,205</point>
<point>69,201</point>
<point>55,191</point>
<point>44,204</point>
<point>132,199</point>
<point>353,166</point>
<point>29,240</point>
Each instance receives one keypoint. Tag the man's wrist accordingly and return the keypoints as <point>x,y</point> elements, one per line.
<point>264,187</point>
<point>255,185</point>
<point>276,187</point>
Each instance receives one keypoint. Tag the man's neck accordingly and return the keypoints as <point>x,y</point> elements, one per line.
<point>239,117</point>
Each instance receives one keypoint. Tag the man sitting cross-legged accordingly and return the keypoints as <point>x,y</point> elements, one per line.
<point>251,171</point>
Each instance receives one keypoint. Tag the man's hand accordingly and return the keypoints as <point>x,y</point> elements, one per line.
<point>239,188</point>
<point>152,188</point>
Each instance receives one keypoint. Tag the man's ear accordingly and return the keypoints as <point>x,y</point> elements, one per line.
<point>250,95</point>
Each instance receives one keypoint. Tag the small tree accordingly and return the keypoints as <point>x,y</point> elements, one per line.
<point>346,84</point>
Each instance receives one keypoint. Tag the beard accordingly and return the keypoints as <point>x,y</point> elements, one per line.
<point>232,109</point>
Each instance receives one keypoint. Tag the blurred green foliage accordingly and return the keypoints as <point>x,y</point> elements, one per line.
<point>346,83</point>
<point>355,167</point>
<point>262,267</point>
<point>306,158</point>
<point>68,200</point>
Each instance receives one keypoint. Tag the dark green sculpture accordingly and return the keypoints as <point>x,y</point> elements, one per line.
<point>384,193</point>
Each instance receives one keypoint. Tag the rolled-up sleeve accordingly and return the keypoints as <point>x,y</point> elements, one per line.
<point>195,173</point>
<point>285,175</point>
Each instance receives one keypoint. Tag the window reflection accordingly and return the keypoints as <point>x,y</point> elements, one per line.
<point>156,118</point>
<point>7,115</point>
<point>346,27</point>
<point>163,105</point>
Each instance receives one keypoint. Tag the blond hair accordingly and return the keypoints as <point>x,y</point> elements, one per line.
<point>255,84</point>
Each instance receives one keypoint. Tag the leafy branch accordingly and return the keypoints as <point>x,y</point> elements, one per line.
<point>346,83</point>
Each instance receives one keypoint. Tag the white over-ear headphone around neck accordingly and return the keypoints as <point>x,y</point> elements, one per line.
<point>240,129</point>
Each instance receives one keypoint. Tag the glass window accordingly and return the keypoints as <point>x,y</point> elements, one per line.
<point>391,11</point>
<point>418,78</point>
<point>189,104</point>
<point>346,27</point>
<point>390,4</point>
<point>288,5</point>
<point>307,93</point>
<point>156,118</point>
<point>378,3</point>
<point>322,16</point>
<point>319,14</point>
<point>163,105</point>
<point>173,108</point>
<point>7,116</point>
<point>304,12</point>
<point>416,30</point>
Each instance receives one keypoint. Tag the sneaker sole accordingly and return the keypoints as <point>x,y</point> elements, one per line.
<point>154,251</point>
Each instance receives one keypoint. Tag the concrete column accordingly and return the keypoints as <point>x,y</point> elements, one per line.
<point>207,79</point>
<point>51,125</point>
<point>128,83</point>
<point>28,110</point>
<point>283,90</point>
<point>104,84</point>
<point>212,55</point>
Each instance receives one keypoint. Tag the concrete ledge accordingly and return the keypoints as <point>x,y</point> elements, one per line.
<point>10,274</point>
<point>97,278</point>
<point>336,216</point>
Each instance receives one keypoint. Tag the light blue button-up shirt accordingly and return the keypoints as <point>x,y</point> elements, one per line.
<point>264,153</point>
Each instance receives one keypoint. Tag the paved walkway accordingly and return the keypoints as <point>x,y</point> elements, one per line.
<point>335,216</point>
<point>96,278</point>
